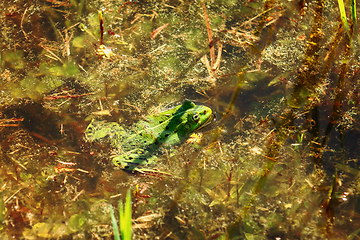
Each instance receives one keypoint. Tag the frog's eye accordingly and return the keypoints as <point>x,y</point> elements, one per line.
<point>196,117</point>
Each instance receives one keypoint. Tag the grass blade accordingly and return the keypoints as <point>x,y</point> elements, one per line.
<point>115,226</point>
<point>343,16</point>
<point>353,11</point>
<point>125,217</point>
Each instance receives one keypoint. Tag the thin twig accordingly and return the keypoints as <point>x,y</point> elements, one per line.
<point>71,27</point>
<point>16,161</point>
<point>21,24</point>
<point>211,43</point>
<point>8,199</point>
<point>52,54</point>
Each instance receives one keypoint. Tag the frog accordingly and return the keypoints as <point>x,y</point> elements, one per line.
<point>140,145</point>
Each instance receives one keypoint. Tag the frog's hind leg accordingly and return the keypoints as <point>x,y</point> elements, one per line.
<point>130,161</point>
<point>97,130</point>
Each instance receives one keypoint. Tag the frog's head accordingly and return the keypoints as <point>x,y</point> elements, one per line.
<point>196,116</point>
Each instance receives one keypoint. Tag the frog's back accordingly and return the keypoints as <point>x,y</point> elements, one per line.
<point>173,126</point>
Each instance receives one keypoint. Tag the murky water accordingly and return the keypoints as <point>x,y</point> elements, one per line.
<point>279,162</point>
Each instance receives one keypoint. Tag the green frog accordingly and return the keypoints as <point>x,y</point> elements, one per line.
<point>139,145</point>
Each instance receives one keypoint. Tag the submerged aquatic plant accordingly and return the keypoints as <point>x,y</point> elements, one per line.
<point>125,219</point>
<point>343,16</point>
<point>245,179</point>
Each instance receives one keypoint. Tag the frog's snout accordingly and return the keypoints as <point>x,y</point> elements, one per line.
<point>209,120</point>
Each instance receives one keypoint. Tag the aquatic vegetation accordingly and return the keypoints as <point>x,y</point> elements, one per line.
<point>280,160</point>
<point>125,219</point>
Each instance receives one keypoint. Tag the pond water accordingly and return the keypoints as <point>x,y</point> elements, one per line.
<point>280,159</point>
